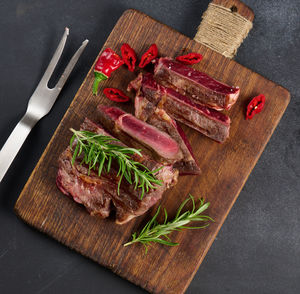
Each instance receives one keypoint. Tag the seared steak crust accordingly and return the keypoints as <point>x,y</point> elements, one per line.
<point>100,194</point>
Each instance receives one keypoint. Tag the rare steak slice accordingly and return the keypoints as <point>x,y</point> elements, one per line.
<point>100,195</point>
<point>209,122</point>
<point>139,134</point>
<point>199,86</point>
<point>147,111</point>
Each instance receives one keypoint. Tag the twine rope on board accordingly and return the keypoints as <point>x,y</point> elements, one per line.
<point>222,30</point>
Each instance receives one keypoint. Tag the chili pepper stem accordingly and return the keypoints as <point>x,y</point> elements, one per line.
<point>99,76</point>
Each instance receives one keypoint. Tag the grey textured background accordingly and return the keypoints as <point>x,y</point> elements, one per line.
<point>258,247</point>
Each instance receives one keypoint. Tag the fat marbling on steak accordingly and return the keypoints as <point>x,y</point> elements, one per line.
<point>209,122</point>
<point>199,86</point>
<point>100,195</point>
<point>137,133</point>
<point>147,111</point>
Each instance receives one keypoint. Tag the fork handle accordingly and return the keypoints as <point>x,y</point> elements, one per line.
<point>14,142</point>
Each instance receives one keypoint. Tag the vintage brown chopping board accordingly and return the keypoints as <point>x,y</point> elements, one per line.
<point>225,167</point>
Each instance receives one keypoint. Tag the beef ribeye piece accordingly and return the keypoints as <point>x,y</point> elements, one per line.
<point>100,195</point>
<point>199,86</point>
<point>209,122</point>
<point>136,133</point>
<point>147,111</point>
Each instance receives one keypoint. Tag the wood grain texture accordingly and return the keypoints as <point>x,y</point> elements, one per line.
<point>225,167</point>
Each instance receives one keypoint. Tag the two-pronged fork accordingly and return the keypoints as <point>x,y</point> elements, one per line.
<point>39,105</point>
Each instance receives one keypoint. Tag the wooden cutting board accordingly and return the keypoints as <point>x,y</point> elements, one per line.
<point>225,167</point>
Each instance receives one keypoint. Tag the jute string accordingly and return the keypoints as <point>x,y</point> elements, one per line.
<point>222,30</point>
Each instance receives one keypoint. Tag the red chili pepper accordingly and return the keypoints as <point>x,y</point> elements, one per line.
<point>190,58</point>
<point>255,106</point>
<point>116,95</point>
<point>128,56</point>
<point>149,55</point>
<point>107,62</point>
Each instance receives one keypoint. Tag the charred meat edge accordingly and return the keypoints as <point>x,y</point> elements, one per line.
<point>136,133</point>
<point>209,122</point>
<point>145,110</point>
<point>198,86</point>
<point>99,194</point>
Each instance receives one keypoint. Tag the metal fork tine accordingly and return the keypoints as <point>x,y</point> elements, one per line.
<point>46,77</point>
<point>70,66</point>
<point>40,103</point>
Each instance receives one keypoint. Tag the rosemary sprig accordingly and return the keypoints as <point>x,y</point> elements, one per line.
<point>158,233</point>
<point>97,150</point>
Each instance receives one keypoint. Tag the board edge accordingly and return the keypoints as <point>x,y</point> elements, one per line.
<point>23,218</point>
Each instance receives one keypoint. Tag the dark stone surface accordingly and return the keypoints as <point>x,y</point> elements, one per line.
<point>258,247</point>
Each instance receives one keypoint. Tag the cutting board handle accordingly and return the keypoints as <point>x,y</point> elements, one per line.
<point>224,26</point>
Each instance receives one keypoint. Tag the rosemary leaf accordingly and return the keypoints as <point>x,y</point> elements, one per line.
<point>99,151</point>
<point>153,232</point>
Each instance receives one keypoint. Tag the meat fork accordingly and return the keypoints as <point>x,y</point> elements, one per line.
<point>39,105</point>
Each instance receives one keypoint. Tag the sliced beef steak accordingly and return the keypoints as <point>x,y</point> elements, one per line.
<point>209,122</point>
<point>143,108</point>
<point>100,194</point>
<point>147,111</point>
<point>138,134</point>
<point>199,86</point>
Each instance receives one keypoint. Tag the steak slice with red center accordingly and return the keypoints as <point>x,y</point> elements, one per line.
<point>197,85</point>
<point>157,117</point>
<point>209,122</point>
<point>138,134</point>
<point>100,194</point>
